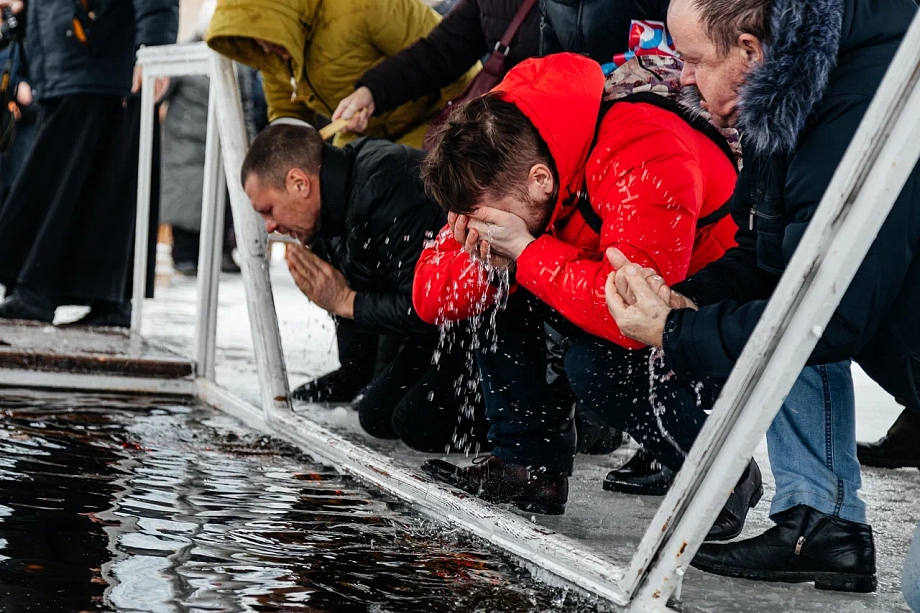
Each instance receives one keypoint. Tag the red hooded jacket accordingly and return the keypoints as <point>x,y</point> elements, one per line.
<point>650,177</point>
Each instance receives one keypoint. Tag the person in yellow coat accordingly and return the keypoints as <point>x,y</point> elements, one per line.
<point>311,52</point>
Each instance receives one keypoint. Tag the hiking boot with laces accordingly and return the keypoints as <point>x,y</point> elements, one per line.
<point>534,490</point>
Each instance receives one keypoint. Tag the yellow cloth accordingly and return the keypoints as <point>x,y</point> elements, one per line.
<point>332,43</point>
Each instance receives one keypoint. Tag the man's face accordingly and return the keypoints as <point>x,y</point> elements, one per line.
<point>533,204</point>
<point>716,76</point>
<point>535,213</point>
<point>293,209</point>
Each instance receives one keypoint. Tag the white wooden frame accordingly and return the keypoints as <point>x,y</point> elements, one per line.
<point>862,192</point>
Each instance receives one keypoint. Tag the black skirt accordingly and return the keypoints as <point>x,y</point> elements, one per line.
<point>67,227</point>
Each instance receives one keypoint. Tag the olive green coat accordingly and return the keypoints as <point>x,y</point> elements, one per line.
<point>332,43</point>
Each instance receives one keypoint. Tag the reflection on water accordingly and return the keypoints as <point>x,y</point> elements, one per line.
<point>139,505</point>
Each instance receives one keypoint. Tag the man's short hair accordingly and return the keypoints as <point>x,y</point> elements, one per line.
<point>279,148</point>
<point>486,146</point>
<point>726,20</point>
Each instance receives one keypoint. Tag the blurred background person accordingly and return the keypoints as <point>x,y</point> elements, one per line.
<point>67,228</point>
<point>20,126</point>
<point>311,52</point>
<point>184,116</point>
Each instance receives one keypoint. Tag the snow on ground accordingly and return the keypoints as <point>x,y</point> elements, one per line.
<point>611,524</point>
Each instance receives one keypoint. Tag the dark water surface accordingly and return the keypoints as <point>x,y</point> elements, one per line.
<point>109,504</point>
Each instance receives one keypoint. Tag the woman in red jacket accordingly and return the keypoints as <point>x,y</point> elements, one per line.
<point>539,180</point>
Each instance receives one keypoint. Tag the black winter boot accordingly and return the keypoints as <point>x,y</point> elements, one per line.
<point>595,435</point>
<point>494,480</point>
<point>805,545</point>
<point>642,475</point>
<point>110,314</point>
<point>24,304</point>
<point>898,448</point>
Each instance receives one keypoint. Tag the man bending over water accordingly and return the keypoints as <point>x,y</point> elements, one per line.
<point>539,179</point>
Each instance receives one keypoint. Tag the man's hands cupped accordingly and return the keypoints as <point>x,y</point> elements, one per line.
<point>491,235</point>
<point>639,300</point>
<point>321,282</point>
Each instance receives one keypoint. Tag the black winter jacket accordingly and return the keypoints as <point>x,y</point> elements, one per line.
<point>61,65</point>
<point>800,111</point>
<point>596,28</point>
<point>466,34</point>
<point>375,220</point>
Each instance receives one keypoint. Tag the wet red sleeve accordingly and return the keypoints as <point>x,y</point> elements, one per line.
<point>448,285</point>
<point>648,189</point>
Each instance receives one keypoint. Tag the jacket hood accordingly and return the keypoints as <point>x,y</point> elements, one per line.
<point>288,23</point>
<point>561,95</point>
<point>815,44</point>
<point>778,95</point>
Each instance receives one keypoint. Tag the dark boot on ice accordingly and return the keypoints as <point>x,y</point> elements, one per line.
<point>24,304</point>
<point>642,475</point>
<point>747,493</point>
<point>805,545</point>
<point>339,386</point>
<point>494,480</point>
<point>898,448</point>
<point>595,435</point>
<point>109,314</point>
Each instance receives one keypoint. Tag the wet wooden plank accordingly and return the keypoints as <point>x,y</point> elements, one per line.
<point>85,350</point>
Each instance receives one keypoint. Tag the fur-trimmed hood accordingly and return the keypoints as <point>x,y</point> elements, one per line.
<point>778,95</point>
<point>818,49</point>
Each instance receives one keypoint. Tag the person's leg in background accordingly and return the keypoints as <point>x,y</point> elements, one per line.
<point>443,410</point>
<point>358,358</point>
<point>664,416</point>
<point>532,430</point>
<point>820,533</point>
<point>38,212</point>
<point>378,401</point>
<point>812,445</point>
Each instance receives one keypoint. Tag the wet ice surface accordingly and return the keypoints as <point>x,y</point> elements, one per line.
<point>144,505</point>
<point>609,524</point>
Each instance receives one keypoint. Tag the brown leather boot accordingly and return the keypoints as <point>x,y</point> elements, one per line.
<point>494,480</point>
<point>896,449</point>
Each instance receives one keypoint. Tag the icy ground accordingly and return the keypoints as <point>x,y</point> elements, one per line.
<point>610,524</point>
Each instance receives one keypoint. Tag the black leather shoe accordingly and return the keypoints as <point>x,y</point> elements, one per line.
<point>595,435</point>
<point>642,475</point>
<point>747,493</point>
<point>16,306</point>
<point>805,545</point>
<point>898,448</point>
<point>110,314</point>
<point>339,386</point>
<point>494,480</point>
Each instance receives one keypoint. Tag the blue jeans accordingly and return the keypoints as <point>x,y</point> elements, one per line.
<point>812,445</point>
<point>910,580</point>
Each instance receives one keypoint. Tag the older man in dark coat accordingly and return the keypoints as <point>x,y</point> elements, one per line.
<point>797,77</point>
<point>67,229</point>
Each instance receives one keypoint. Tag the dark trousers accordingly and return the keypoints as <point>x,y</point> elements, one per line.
<point>429,406</point>
<point>67,228</point>
<point>530,423</point>
<point>664,417</point>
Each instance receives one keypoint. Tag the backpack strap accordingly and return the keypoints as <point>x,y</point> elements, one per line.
<point>592,218</point>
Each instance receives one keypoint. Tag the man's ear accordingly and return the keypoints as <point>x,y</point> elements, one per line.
<point>751,49</point>
<point>298,182</point>
<point>541,178</point>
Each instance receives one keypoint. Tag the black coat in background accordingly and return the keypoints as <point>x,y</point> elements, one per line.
<point>61,65</point>
<point>67,227</point>
<point>466,34</point>
<point>375,220</point>
<point>801,110</point>
<point>596,28</point>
